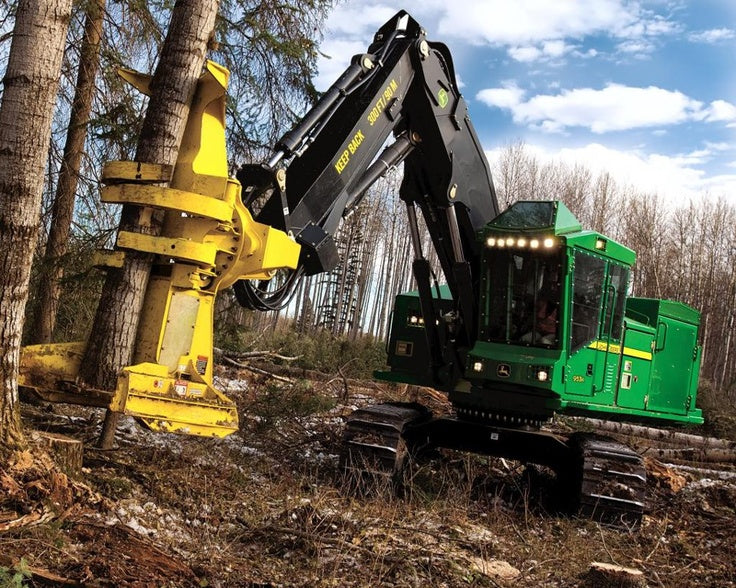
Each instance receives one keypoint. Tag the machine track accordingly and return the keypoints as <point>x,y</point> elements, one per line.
<point>611,480</point>
<point>375,451</point>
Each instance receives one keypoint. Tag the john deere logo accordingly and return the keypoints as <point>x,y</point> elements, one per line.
<point>442,97</point>
<point>503,370</point>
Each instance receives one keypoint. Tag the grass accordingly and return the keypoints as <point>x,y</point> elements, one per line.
<point>266,506</point>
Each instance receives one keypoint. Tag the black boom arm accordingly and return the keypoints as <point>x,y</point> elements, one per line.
<point>403,86</point>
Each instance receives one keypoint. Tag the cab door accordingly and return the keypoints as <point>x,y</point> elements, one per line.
<point>597,306</point>
<point>583,374</point>
<point>608,345</point>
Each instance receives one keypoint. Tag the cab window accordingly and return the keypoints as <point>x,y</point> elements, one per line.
<point>587,297</point>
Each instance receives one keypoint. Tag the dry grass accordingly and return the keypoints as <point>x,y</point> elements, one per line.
<point>265,508</point>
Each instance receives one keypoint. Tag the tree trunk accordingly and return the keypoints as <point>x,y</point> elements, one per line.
<point>30,85</point>
<point>656,434</point>
<point>56,246</point>
<point>110,346</point>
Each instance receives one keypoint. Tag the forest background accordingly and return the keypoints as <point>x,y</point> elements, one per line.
<point>340,319</point>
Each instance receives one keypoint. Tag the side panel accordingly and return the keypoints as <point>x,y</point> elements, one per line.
<point>408,351</point>
<point>674,361</point>
<point>635,372</point>
<point>581,378</point>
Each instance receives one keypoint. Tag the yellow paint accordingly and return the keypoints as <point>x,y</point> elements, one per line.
<point>114,171</point>
<point>167,198</point>
<point>615,348</point>
<point>382,102</point>
<point>344,159</point>
<point>208,241</point>
<point>108,258</point>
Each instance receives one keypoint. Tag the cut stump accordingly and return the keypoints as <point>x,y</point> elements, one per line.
<point>66,452</point>
<point>603,575</point>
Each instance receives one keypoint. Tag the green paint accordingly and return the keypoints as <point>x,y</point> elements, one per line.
<point>607,356</point>
<point>442,97</point>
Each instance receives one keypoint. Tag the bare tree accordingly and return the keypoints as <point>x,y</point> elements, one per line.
<point>63,208</point>
<point>30,85</point>
<point>110,345</point>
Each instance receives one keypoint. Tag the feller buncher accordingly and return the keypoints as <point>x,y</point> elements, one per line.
<point>532,317</point>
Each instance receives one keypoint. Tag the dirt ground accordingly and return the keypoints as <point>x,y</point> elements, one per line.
<point>264,507</point>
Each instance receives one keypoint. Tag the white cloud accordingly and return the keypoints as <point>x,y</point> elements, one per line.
<point>527,22</point>
<point>530,28</point>
<point>358,21</point>
<point>545,51</point>
<point>614,108</point>
<point>509,96</point>
<point>525,54</point>
<point>720,110</point>
<point>555,48</point>
<point>658,25</point>
<point>587,54</point>
<point>675,178</point>
<point>638,46</point>
<point>721,146</point>
<point>712,36</point>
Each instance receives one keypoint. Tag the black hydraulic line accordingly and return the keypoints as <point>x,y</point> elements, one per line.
<point>457,246</point>
<point>392,156</point>
<point>416,240</point>
<point>290,142</point>
<point>249,294</point>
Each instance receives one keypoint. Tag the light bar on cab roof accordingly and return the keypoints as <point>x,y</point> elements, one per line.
<point>503,242</point>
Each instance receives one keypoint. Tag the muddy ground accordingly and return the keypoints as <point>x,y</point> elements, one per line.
<point>264,507</point>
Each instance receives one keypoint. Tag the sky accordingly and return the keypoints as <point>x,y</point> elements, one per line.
<point>645,90</point>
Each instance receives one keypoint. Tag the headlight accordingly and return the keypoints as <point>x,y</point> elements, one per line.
<point>478,366</point>
<point>542,375</point>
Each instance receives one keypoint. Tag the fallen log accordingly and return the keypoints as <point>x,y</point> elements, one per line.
<point>695,454</point>
<point>256,370</point>
<point>656,434</point>
<point>253,354</point>
<point>704,472</point>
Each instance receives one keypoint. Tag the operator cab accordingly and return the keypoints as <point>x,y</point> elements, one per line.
<point>523,280</point>
<point>550,295</point>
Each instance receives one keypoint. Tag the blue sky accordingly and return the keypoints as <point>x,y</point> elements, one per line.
<point>645,90</point>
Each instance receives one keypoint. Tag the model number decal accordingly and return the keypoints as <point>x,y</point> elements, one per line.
<point>381,103</point>
<point>578,379</point>
<point>344,158</point>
